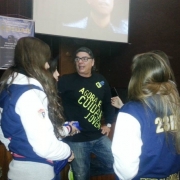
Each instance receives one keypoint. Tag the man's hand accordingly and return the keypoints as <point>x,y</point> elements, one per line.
<point>105,130</point>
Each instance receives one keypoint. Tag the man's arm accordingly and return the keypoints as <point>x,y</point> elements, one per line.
<point>108,110</point>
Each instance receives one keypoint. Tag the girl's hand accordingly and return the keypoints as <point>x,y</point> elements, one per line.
<point>75,130</point>
<point>116,102</point>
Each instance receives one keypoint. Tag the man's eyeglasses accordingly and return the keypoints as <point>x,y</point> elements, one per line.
<point>84,59</point>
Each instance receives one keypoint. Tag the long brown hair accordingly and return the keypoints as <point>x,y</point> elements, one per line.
<point>165,57</point>
<point>153,78</point>
<point>30,57</point>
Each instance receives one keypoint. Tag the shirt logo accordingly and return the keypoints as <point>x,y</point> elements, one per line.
<point>100,84</point>
<point>42,113</point>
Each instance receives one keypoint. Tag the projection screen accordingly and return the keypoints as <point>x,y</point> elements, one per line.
<point>105,20</point>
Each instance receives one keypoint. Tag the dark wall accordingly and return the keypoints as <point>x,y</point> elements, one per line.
<point>16,8</point>
<point>153,24</point>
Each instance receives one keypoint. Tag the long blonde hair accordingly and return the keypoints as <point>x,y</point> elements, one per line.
<point>153,78</point>
<point>30,57</point>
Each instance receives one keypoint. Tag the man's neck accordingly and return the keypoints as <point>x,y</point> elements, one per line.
<point>101,21</point>
<point>86,75</point>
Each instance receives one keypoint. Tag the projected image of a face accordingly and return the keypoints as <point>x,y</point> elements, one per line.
<point>105,20</point>
<point>101,7</point>
<point>100,12</point>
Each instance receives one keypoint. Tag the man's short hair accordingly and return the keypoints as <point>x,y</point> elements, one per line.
<point>85,49</point>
